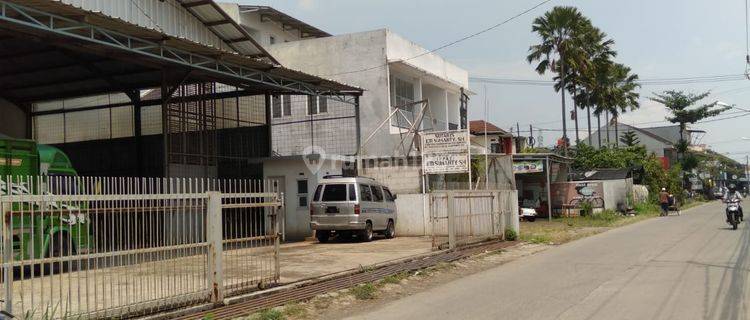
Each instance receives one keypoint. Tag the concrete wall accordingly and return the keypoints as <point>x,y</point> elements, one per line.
<point>354,59</point>
<point>296,219</point>
<point>334,57</point>
<point>12,121</point>
<point>399,48</point>
<point>261,31</point>
<point>401,176</point>
<point>616,193</point>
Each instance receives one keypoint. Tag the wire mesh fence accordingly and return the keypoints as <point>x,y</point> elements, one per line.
<point>469,216</point>
<point>116,247</point>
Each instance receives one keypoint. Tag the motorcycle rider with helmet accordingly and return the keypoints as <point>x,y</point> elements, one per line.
<point>732,194</point>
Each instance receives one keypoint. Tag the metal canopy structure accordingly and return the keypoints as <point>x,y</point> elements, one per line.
<point>63,53</point>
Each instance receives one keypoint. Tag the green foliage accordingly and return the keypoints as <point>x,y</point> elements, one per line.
<point>396,278</point>
<point>364,291</point>
<point>629,139</point>
<point>269,314</point>
<point>510,234</point>
<point>646,208</point>
<point>588,157</point>
<point>587,208</point>
<point>680,104</point>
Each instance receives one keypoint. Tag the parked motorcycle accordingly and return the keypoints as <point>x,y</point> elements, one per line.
<point>733,212</point>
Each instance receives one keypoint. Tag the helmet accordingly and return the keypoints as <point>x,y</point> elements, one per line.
<point>732,187</point>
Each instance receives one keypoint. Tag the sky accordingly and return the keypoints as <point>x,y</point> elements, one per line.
<point>656,39</point>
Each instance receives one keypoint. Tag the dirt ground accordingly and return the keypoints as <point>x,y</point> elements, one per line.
<point>346,303</point>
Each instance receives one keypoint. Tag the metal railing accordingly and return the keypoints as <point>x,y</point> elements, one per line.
<point>88,247</point>
<point>470,216</point>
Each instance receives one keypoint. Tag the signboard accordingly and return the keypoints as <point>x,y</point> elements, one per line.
<point>455,141</point>
<point>530,166</point>
<point>445,163</point>
<point>445,152</point>
<point>574,193</point>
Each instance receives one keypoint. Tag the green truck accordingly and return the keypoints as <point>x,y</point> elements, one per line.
<point>40,229</point>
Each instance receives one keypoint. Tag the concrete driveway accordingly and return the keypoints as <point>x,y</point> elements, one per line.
<point>678,267</point>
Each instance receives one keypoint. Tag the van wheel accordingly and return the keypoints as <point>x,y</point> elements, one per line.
<point>367,234</point>
<point>322,235</point>
<point>390,231</point>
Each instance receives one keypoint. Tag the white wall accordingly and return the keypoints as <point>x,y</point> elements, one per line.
<point>399,48</point>
<point>261,31</point>
<point>296,220</point>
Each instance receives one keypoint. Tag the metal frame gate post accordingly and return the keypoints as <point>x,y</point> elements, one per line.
<point>451,220</point>
<point>7,257</point>
<point>216,247</point>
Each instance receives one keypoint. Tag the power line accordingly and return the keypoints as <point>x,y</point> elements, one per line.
<point>648,82</point>
<point>452,42</point>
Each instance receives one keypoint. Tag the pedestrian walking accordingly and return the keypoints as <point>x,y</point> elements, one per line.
<point>664,201</point>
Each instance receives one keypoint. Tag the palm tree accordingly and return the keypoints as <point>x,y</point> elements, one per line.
<point>623,94</point>
<point>561,31</point>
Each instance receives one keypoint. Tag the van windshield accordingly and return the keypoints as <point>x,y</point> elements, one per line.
<point>334,192</point>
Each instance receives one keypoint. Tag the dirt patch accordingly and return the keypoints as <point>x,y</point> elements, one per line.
<point>348,302</point>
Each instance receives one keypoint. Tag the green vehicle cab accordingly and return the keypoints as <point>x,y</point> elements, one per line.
<point>45,229</point>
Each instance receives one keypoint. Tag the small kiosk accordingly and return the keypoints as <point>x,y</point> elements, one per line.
<point>535,173</point>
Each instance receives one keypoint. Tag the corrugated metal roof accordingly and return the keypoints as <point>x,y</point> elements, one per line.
<point>305,29</point>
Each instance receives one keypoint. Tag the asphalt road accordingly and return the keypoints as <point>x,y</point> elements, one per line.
<point>687,267</point>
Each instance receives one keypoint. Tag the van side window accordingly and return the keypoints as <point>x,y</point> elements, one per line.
<point>388,195</point>
<point>364,193</point>
<point>316,197</point>
<point>352,193</point>
<point>377,194</point>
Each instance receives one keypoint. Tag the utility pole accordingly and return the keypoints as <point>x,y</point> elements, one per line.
<point>747,173</point>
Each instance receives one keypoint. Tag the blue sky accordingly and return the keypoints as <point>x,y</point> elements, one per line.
<point>657,39</point>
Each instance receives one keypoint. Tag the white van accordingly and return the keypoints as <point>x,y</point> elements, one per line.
<point>352,206</point>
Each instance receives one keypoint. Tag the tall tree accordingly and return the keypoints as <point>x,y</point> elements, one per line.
<point>561,31</point>
<point>630,139</point>
<point>623,91</point>
<point>682,111</point>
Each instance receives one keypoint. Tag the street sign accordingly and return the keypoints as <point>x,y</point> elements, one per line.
<point>454,141</point>
<point>445,163</point>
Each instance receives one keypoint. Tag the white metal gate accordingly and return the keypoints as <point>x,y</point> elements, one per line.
<point>467,216</point>
<point>117,247</point>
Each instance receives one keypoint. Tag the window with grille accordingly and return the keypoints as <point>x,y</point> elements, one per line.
<point>403,92</point>
<point>281,106</point>
<point>316,106</point>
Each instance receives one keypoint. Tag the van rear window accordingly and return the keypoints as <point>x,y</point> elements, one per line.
<point>334,192</point>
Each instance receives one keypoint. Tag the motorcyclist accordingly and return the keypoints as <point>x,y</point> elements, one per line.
<point>731,194</point>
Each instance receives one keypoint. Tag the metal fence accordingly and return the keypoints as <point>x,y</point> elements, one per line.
<point>469,216</point>
<point>88,247</point>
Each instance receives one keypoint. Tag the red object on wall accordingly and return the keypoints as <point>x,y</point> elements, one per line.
<point>508,145</point>
<point>664,162</point>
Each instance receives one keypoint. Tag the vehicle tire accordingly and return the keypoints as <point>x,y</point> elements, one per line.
<point>390,230</point>
<point>734,225</point>
<point>367,234</point>
<point>322,235</point>
<point>530,219</point>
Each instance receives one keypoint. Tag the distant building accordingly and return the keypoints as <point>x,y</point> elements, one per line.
<point>498,141</point>
<point>661,141</point>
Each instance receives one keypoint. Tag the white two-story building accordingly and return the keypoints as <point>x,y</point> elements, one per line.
<point>394,72</point>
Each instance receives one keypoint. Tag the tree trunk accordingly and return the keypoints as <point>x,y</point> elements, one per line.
<point>588,112</point>
<point>575,113</point>
<point>562,97</point>
<point>617,131</point>
<point>606,118</point>
<point>599,131</point>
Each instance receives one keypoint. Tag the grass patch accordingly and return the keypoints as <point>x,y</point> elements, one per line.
<point>365,291</point>
<point>294,310</point>
<point>395,278</point>
<point>269,314</point>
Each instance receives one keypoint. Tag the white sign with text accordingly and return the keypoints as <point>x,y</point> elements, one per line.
<point>454,141</point>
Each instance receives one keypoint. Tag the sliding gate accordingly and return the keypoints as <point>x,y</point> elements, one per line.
<point>83,247</point>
